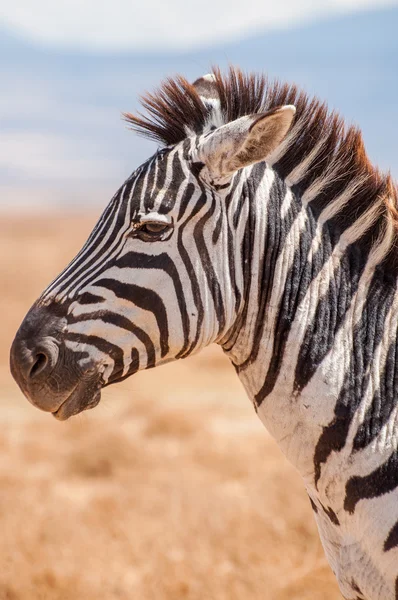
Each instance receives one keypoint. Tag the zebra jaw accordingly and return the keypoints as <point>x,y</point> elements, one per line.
<point>75,404</point>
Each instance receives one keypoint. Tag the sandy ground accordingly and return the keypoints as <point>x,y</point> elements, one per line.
<point>170,489</point>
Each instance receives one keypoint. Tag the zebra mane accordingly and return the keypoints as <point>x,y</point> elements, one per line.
<point>321,156</point>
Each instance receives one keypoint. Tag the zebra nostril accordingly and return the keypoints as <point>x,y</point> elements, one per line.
<point>39,365</point>
<point>35,350</point>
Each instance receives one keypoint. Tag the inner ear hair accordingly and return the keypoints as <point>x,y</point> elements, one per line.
<point>265,134</point>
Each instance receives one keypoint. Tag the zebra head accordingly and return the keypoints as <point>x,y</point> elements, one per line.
<point>162,273</point>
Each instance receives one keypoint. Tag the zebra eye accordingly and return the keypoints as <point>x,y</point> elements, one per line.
<point>154,227</point>
<point>150,231</point>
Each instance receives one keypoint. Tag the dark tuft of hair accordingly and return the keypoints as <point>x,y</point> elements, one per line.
<point>176,110</point>
<point>172,110</point>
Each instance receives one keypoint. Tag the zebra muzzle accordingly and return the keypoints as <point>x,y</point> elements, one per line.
<point>49,374</point>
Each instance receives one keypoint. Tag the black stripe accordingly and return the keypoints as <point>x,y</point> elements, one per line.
<point>158,171</point>
<point>221,186</point>
<point>392,539</point>
<point>231,248</point>
<point>242,200</point>
<point>88,298</point>
<point>196,292</point>
<point>178,177</point>
<point>186,200</point>
<point>329,512</point>
<point>162,163</point>
<point>210,274</point>
<point>313,505</point>
<point>150,189</point>
<point>246,266</point>
<point>217,229</point>
<point>381,481</point>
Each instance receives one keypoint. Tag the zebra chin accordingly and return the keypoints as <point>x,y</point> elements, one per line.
<point>77,402</point>
<point>53,378</point>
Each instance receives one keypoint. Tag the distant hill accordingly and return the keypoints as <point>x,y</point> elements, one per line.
<point>60,111</point>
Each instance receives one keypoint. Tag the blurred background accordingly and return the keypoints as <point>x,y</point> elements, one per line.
<point>171,488</point>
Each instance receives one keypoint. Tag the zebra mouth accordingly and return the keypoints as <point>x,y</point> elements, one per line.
<point>77,401</point>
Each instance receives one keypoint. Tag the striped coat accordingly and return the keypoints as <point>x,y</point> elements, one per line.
<point>259,225</point>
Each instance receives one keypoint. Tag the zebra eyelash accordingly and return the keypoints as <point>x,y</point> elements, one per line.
<point>141,228</point>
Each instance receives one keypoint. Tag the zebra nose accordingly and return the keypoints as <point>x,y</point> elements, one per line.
<point>33,363</point>
<point>35,349</point>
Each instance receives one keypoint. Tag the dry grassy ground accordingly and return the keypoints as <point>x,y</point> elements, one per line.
<point>170,489</point>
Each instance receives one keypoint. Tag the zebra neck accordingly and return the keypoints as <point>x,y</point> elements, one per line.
<point>274,248</point>
<point>310,296</point>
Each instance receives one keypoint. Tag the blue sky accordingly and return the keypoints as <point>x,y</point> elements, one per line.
<point>70,68</point>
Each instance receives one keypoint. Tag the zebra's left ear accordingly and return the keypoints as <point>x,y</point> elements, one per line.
<point>245,141</point>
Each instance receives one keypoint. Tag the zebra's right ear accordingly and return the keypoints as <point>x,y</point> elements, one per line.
<point>206,87</point>
<point>244,142</point>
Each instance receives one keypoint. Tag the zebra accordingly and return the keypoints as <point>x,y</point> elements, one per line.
<point>260,225</point>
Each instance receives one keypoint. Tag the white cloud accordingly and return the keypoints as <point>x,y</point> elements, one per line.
<point>171,24</point>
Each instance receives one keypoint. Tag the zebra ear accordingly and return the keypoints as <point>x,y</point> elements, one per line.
<point>206,87</point>
<point>244,142</point>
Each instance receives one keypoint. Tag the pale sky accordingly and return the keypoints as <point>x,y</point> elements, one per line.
<point>172,24</point>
